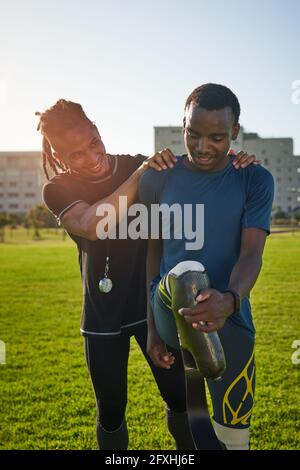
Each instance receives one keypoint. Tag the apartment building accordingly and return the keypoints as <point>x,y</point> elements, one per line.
<point>21,181</point>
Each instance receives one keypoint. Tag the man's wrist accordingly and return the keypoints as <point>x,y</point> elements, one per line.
<point>230,303</point>
<point>236,300</point>
<point>141,169</point>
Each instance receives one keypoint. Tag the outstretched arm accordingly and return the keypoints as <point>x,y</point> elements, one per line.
<point>82,218</point>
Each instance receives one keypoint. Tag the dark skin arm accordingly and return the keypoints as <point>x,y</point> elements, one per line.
<point>156,348</point>
<point>82,219</point>
<point>215,307</point>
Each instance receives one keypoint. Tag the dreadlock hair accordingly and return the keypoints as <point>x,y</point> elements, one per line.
<point>56,120</point>
<point>212,97</point>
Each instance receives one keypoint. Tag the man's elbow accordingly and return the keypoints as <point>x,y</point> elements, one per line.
<point>90,233</point>
<point>87,228</point>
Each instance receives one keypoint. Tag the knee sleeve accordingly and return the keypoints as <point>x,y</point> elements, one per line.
<point>233,439</point>
<point>113,440</point>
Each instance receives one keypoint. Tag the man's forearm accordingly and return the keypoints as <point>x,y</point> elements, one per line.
<point>245,274</point>
<point>152,270</point>
<point>129,188</point>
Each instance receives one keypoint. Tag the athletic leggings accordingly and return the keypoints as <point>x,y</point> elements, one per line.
<point>107,361</point>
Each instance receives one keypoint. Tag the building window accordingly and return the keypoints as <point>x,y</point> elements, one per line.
<point>13,194</point>
<point>278,169</point>
<point>290,179</point>
<point>12,184</point>
<point>265,161</point>
<point>289,198</point>
<point>29,195</point>
<point>278,180</point>
<point>13,162</point>
<point>13,206</point>
<point>29,183</point>
<point>1,194</point>
<point>176,142</point>
<point>279,160</point>
<point>263,152</point>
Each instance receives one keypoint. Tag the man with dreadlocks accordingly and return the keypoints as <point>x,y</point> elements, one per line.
<point>113,310</point>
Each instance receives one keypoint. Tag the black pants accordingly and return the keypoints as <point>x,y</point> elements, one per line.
<point>107,361</point>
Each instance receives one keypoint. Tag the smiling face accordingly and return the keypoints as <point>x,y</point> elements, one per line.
<point>208,136</point>
<point>82,149</point>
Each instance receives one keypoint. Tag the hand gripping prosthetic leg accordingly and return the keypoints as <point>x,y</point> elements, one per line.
<point>202,353</point>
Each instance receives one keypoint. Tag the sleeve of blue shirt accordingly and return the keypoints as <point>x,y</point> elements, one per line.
<point>259,199</point>
<point>149,187</point>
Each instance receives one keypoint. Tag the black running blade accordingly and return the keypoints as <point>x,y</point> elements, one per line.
<point>201,427</point>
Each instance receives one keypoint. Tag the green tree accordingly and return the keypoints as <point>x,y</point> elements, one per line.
<point>39,217</point>
<point>3,222</point>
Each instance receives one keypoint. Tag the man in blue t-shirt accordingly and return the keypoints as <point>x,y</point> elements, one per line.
<point>228,212</point>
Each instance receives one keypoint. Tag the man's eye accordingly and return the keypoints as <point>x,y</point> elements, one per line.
<point>95,143</point>
<point>75,156</point>
<point>218,139</point>
<point>193,136</point>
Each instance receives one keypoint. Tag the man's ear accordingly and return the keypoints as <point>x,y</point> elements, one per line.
<point>235,131</point>
<point>183,123</point>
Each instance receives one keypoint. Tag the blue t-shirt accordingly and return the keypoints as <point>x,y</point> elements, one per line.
<point>231,199</point>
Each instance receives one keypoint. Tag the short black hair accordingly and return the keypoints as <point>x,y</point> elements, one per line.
<point>212,96</point>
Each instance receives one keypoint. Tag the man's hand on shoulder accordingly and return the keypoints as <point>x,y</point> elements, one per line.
<point>243,159</point>
<point>160,160</point>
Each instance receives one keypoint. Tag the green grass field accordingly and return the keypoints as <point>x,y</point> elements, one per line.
<point>47,400</point>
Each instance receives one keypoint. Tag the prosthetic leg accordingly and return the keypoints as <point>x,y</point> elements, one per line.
<point>202,353</point>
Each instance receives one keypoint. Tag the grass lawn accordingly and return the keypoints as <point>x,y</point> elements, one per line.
<point>47,400</point>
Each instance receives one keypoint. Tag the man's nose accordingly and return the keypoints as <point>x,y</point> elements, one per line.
<point>202,145</point>
<point>91,157</point>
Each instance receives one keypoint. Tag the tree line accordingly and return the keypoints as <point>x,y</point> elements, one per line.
<point>37,217</point>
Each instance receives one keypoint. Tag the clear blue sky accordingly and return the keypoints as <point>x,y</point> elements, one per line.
<point>131,64</point>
